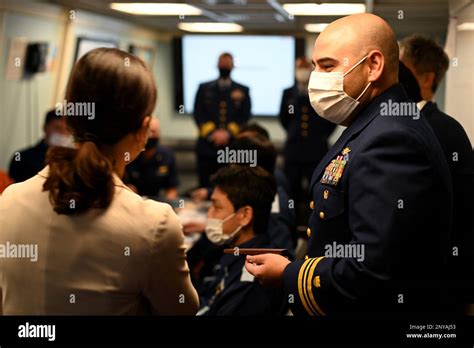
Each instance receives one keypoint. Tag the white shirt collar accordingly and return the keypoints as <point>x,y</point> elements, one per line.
<point>421,104</point>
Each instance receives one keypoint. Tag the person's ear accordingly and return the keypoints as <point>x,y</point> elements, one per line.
<point>245,216</point>
<point>427,80</point>
<point>142,133</point>
<point>375,63</point>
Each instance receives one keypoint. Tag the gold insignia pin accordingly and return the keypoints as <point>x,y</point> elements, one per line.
<point>346,151</point>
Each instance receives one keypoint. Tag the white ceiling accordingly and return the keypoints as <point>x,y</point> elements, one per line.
<point>429,17</point>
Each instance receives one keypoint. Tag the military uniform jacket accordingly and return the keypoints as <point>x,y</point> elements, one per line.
<point>307,132</point>
<point>233,291</point>
<point>215,107</point>
<point>381,215</point>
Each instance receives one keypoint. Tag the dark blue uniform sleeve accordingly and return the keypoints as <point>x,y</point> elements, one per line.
<point>202,114</point>
<point>246,107</point>
<point>390,170</point>
<point>173,180</point>
<point>284,111</point>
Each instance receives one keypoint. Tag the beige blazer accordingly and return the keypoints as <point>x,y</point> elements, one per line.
<point>126,260</point>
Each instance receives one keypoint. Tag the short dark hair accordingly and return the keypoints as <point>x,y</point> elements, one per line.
<point>50,117</point>
<point>427,56</point>
<point>266,152</point>
<point>226,55</point>
<point>255,128</point>
<point>252,186</point>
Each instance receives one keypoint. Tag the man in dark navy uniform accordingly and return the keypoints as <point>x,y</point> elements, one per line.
<point>428,63</point>
<point>154,173</point>
<point>241,204</point>
<point>307,134</point>
<point>220,108</point>
<point>27,163</point>
<point>381,197</point>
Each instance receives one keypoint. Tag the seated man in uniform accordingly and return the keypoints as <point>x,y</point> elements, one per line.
<point>153,173</point>
<point>238,217</point>
<point>28,162</point>
<point>281,228</point>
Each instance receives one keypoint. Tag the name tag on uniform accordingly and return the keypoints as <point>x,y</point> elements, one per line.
<point>335,169</point>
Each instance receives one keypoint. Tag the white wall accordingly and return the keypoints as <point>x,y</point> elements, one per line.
<point>459,101</point>
<point>22,103</point>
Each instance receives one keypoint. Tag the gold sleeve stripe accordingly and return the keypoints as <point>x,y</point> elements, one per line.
<point>309,284</point>
<point>233,128</point>
<point>302,287</point>
<point>207,128</point>
<point>306,280</point>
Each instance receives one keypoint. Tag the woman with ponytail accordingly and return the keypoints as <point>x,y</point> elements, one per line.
<point>100,248</point>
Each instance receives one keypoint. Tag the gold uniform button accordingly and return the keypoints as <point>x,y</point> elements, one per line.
<point>321,215</point>
<point>317,282</point>
<point>304,125</point>
<point>222,104</point>
<point>326,194</point>
<point>306,257</point>
<point>305,117</point>
<point>311,205</point>
<point>308,232</point>
<point>304,109</point>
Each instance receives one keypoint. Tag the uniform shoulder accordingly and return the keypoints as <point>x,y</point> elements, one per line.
<point>207,84</point>
<point>239,85</point>
<point>288,90</point>
<point>402,130</point>
<point>446,122</point>
<point>165,151</point>
<point>30,151</point>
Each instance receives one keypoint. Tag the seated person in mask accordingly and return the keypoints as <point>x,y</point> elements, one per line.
<point>28,162</point>
<point>154,173</point>
<point>281,229</point>
<point>238,217</point>
<point>282,223</point>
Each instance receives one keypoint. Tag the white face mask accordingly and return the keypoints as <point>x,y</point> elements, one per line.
<point>215,232</point>
<point>58,139</point>
<point>327,96</point>
<point>302,75</point>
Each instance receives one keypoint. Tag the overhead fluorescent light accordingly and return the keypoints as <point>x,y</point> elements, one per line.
<point>326,9</point>
<point>466,26</point>
<point>315,28</point>
<point>156,9</point>
<point>212,27</point>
